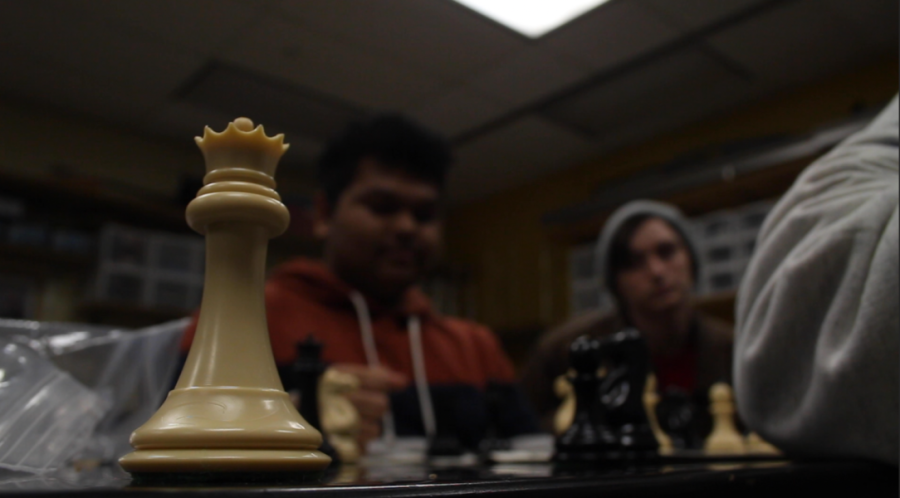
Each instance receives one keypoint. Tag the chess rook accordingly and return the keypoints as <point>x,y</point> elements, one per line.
<point>229,411</point>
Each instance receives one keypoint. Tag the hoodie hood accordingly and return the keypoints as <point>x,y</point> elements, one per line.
<point>322,284</point>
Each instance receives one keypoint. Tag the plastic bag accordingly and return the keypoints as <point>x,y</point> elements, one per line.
<point>128,371</point>
<point>46,416</point>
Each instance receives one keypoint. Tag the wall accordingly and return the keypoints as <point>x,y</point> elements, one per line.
<point>517,268</point>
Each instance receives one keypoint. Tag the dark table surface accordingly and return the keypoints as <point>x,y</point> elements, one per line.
<point>695,477</point>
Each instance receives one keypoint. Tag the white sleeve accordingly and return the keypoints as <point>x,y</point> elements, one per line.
<point>816,349</point>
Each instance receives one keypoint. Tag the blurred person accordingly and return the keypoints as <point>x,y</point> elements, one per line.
<point>647,260</point>
<point>379,214</point>
<point>816,353</point>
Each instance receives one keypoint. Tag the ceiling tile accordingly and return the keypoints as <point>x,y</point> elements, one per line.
<point>793,43</point>
<point>611,34</point>
<point>523,151</point>
<point>183,121</point>
<point>526,76</point>
<point>676,89</point>
<point>47,83</point>
<point>283,49</point>
<point>201,26</point>
<point>436,36</point>
<point>694,14</point>
<point>282,106</point>
<point>874,20</point>
<point>100,52</point>
<point>458,111</point>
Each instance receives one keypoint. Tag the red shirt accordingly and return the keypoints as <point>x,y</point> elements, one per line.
<point>679,370</point>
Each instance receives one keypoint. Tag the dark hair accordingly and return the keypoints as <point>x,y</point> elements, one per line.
<point>392,140</point>
<point>620,250</point>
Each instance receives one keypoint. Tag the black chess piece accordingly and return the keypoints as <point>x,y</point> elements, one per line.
<point>627,359</point>
<point>494,437</point>
<point>446,442</point>
<point>589,438</point>
<point>304,376</point>
<point>685,418</point>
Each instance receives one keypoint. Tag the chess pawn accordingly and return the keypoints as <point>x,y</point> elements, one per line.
<point>758,445</point>
<point>651,399</point>
<point>566,412</point>
<point>724,438</point>
<point>340,420</point>
<point>229,412</point>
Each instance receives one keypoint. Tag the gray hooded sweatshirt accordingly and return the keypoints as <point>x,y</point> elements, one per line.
<point>816,349</point>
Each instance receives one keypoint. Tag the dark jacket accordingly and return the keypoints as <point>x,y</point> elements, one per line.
<point>712,338</point>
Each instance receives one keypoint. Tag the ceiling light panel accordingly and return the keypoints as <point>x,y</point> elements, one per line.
<point>532,18</point>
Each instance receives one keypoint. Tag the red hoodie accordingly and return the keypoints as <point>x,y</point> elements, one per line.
<point>303,297</point>
<point>461,358</point>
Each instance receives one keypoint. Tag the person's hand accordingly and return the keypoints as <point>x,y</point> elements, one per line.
<point>371,400</point>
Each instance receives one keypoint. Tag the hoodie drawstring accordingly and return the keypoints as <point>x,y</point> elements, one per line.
<point>415,345</point>
<point>414,327</point>
<point>368,339</point>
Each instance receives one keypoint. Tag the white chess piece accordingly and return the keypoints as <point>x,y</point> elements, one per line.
<point>229,412</point>
<point>756,444</point>
<point>566,412</point>
<point>724,438</point>
<point>340,420</point>
<point>651,399</point>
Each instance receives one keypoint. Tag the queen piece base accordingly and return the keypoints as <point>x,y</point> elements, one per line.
<point>223,460</point>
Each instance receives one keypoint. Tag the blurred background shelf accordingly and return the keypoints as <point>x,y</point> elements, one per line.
<point>87,202</point>
<point>42,261</point>
<point>125,314</point>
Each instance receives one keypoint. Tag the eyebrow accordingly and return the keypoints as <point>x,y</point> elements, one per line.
<point>656,247</point>
<point>383,192</point>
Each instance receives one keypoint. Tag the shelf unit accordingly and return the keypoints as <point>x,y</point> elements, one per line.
<point>87,205</point>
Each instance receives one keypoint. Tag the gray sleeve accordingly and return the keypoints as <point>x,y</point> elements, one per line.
<point>816,349</point>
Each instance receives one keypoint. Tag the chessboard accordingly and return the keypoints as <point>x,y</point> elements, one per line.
<point>698,476</point>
